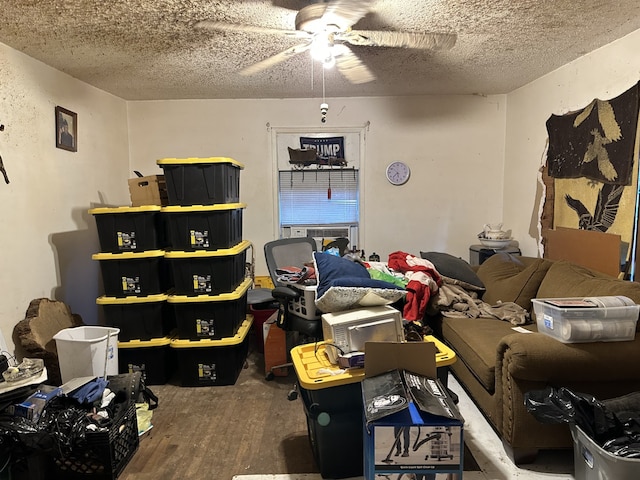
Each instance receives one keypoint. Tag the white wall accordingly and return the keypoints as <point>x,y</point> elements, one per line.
<point>604,73</point>
<point>47,235</point>
<point>453,144</point>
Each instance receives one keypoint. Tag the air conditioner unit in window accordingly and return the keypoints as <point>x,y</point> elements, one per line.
<point>323,233</point>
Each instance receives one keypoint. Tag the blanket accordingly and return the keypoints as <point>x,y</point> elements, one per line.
<point>422,280</point>
<point>454,301</point>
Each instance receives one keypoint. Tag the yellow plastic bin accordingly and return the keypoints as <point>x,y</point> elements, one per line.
<point>333,406</point>
<point>204,227</point>
<point>208,272</point>
<point>152,358</point>
<point>201,181</point>
<point>138,318</point>
<point>133,274</point>
<point>203,363</point>
<point>211,317</point>
<point>129,229</point>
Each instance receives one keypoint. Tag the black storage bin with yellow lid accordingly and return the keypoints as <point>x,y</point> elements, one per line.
<point>204,227</point>
<point>208,272</point>
<point>138,318</point>
<point>138,274</point>
<point>129,229</point>
<point>210,316</point>
<point>153,358</point>
<point>201,181</point>
<point>203,363</point>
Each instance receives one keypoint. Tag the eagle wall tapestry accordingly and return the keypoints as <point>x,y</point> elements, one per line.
<point>591,164</point>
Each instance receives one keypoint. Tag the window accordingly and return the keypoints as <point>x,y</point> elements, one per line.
<point>318,196</point>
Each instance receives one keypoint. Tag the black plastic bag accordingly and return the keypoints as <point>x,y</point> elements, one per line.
<point>561,405</point>
<point>613,424</point>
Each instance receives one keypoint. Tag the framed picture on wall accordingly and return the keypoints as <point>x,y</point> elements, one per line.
<point>66,129</point>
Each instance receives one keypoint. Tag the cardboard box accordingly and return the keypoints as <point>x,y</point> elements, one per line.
<point>412,424</point>
<point>275,347</point>
<point>149,190</point>
<point>34,405</point>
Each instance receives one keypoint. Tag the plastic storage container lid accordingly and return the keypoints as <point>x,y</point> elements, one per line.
<point>203,208</point>
<point>221,252</point>
<point>315,371</point>
<point>237,339</point>
<point>105,300</point>
<point>141,209</point>
<point>193,160</point>
<point>128,255</point>
<point>154,342</point>
<point>223,297</point>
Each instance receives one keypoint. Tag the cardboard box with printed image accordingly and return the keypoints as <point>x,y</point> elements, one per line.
<point>412,424</point>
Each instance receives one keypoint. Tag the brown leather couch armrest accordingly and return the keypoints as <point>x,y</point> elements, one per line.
<point>538,357</point>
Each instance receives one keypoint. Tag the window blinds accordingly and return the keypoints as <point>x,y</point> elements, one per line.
<point>304,197</point>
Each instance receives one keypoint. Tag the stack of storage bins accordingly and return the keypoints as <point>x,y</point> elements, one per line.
<point>207,259</point>
<point>136,282</point>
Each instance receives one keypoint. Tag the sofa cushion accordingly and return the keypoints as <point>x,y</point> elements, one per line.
<point>454,269</point>
<point>509,278</point>
<point>475,340</point>
<point>566,279</point>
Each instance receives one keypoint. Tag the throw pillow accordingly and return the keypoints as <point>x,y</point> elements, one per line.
<point>567,279</point>
<point>455,270</point>
<point>509,278</point>
<point>344,284</point>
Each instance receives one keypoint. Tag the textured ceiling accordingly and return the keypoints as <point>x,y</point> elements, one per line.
<point>150,49</point>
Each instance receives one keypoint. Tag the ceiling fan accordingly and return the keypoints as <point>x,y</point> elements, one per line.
<point>325,30</point>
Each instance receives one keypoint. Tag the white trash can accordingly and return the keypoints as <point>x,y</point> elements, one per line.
<point>87,351</point>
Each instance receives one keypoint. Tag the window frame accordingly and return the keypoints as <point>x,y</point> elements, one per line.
<point>355,142</point>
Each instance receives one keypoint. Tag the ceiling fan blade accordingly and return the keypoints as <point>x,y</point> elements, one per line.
<point>275,60</point>
<point>229,27</point>
<point>345,13</point>
<point>378,38</point>
<point>349,65</point>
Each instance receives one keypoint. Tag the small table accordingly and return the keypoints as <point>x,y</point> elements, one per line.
<point>479,253</point>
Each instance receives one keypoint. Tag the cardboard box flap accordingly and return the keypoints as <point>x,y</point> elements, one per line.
<point>417,357</point>
<point>383,395</point>
<point>430,396</point>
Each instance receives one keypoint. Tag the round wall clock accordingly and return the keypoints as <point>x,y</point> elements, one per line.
<point>398,173</point>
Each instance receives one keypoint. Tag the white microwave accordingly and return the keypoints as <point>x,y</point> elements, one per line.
<point>348,331</point>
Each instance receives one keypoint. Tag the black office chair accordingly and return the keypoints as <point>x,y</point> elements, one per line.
<point>292,252</point>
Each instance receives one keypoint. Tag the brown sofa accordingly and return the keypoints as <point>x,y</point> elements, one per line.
<point>497,366</point>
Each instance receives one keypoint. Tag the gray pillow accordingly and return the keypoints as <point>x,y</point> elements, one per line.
<point>454,269</point>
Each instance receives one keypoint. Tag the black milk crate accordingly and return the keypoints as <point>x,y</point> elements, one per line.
<point>206,363</point>
<point>133,274</point>
<point>129,229</point>
<point>201,181</point>
<point>204,227</point>
<point>141,318</point>
<point>105,453</point>
<point>152,358</point>
<point>210,317</point>
<point>208,272</point>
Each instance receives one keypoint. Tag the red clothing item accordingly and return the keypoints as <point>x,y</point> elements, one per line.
<point>423,278</point>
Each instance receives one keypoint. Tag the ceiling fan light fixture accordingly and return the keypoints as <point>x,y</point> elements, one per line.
<point>329,62</point>
<point>322,46</point>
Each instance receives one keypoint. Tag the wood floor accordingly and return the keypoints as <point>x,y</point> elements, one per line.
<point>219,432</point>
